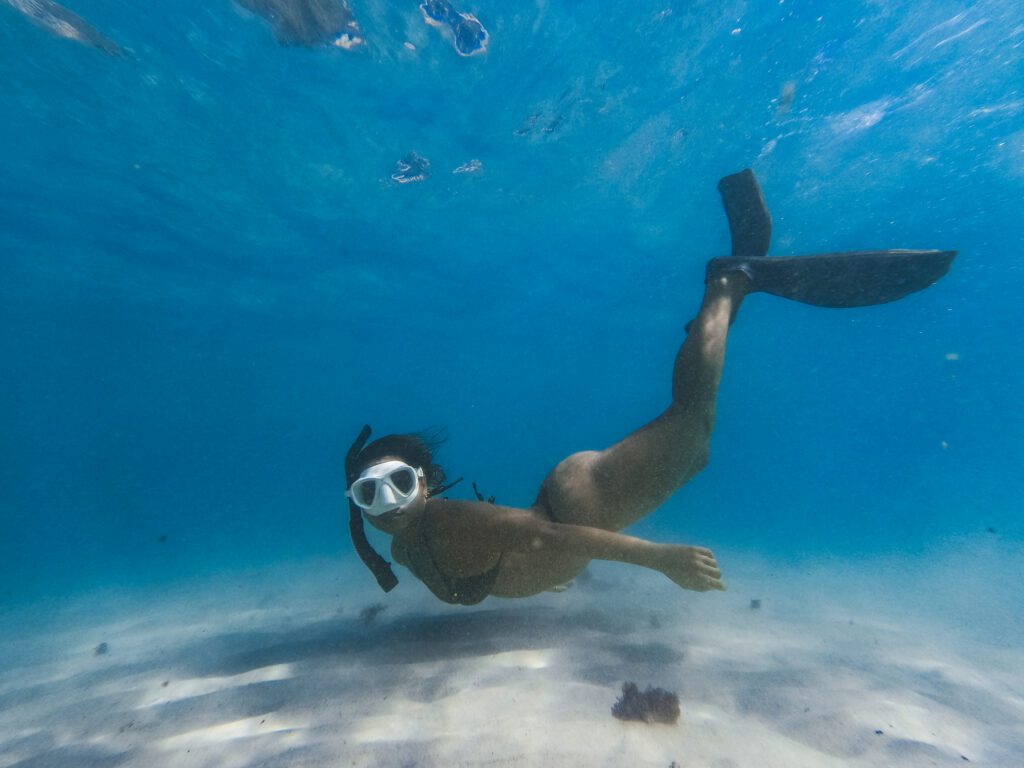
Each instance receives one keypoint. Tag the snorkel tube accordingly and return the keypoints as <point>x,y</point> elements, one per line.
<point>379,567</point>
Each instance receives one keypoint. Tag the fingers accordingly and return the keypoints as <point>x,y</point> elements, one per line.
<point>704,555</point>
<point>710,584</point>
<point>709,565</point>
<point>694,568</point>
<point>710,573</point>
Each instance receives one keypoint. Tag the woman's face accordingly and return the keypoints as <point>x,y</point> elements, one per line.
<point>398,519</point>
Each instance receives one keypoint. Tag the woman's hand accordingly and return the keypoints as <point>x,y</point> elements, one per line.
<point>690,567</point>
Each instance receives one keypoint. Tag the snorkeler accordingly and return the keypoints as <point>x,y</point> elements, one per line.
<point>466,550</point>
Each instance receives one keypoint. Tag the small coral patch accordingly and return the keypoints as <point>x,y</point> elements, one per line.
<point>655,705</point>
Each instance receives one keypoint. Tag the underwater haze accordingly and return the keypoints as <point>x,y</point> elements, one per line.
<point>211,280</point>
<point>222,253</point>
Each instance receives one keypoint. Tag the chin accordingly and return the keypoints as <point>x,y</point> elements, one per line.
<point>389,522</point>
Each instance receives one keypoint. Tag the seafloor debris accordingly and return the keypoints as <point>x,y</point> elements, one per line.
<point>412,167</point>
<point>370,613</point>
<point>60,22</point>
<point>655,705</point>
<point>755,604</point>
<point>309,22</point>
<point>464,30</point>
<point>100,650</point>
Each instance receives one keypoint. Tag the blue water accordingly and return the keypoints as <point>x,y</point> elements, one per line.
<point>210,280</point>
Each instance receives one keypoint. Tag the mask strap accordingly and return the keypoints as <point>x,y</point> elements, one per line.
<point>442,488</point>
<point>379,567</point>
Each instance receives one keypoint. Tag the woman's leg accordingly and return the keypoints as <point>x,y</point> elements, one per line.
<point>613,488</point>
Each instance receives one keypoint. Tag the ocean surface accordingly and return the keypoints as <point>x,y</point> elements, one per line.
<point>221,255</point>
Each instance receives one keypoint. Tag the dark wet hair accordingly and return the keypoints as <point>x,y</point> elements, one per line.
<point>416,450</point>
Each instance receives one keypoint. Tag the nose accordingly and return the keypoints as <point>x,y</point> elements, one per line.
<point>387,495</point>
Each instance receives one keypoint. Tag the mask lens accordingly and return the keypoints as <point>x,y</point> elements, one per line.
<point>364,492</point>
<point>404,481</point>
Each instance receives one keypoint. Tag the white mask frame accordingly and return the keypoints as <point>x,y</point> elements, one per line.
<point>385,487</point>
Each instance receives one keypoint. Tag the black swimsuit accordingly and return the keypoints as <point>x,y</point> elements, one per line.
<point>451,589</point>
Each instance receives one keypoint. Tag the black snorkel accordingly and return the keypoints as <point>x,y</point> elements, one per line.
<point>379,567</point>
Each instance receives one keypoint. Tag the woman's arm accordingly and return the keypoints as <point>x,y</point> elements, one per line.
<point>470,537</point>
<point>689,567</point>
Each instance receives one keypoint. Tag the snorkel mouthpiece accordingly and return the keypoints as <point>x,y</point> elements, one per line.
<point>379,567</point>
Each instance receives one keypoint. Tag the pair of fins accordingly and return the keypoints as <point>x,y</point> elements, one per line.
<point>853,279</point>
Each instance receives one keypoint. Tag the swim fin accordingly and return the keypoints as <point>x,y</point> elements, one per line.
<point>749,221</point>
<point>855,279</point>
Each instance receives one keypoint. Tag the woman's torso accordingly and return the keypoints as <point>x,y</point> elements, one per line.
<point>457,549</point>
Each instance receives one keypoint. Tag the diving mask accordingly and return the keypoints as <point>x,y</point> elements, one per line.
<point>385,487</point>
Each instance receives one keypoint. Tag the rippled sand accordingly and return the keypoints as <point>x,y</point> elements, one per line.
<point>841,664</point>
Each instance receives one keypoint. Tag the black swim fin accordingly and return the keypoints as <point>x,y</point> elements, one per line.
<point>856,279</point>
<point>749,221</point>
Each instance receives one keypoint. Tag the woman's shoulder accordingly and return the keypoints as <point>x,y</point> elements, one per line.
<point>440,503</point>
<point>479,523</point>
<point>438,509</point>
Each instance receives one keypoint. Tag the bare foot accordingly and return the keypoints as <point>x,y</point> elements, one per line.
<point>691,567</point>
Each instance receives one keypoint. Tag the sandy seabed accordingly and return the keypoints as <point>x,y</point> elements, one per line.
<point>882,663</point>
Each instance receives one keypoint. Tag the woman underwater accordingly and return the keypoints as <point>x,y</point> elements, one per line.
<point>466,550</point>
